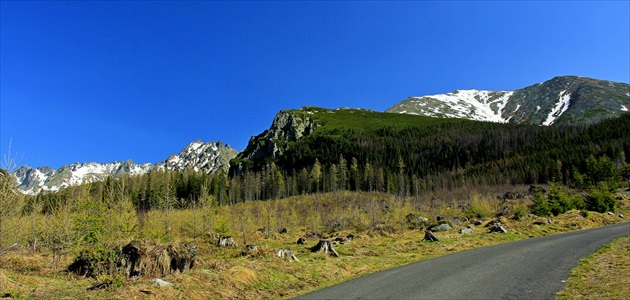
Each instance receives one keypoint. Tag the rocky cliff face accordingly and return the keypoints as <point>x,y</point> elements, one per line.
<point>287,126</point>
<point>205,157</point>
<point>562,100</point>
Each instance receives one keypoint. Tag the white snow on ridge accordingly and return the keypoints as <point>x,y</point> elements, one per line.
<point>624,108</point>
<point>472,104</point>
<point>561,106</point>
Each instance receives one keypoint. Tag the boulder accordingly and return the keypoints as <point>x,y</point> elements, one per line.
<point>441,227</point>
<point>468,230</point>
<point>159,282</point>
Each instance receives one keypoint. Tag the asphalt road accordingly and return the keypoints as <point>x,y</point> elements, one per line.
<point>528,269</point>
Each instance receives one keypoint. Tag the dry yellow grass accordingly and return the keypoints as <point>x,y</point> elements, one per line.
<point>228,274</point>
<point>603,275</point>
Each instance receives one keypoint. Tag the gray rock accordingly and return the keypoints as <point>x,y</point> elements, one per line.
<point>441,227</point>
<point>467,230</point>
<point>159,282</point>
<point>620,215</point>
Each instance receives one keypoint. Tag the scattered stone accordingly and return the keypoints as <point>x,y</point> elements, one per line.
<point>226,241</point>
<point>301,241</point>
<point>610,213</point>
<point>429,237</point>
<point>325,246</point>
<point>497,228</point>
<point>543,221</point>
<point>251,248</point>
<point>287,253</point>
<point>416,221</point>
<point>161,283</point>
<point>441,227</point>
<point>477,222</point>
<point>468,230</point>
<point>283,230</point>
<point>440,218</point>
<point>620,215</point>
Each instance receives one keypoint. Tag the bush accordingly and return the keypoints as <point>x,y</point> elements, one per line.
<point>600,199</point>
<point>561,201</point>
<point>519,213</point>
<point>540,207</point>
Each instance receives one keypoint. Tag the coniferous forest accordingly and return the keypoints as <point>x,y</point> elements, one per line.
<point>403,160</point>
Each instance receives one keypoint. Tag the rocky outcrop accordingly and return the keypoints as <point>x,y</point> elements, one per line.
<point>287,126</point>
<point>201,157</point>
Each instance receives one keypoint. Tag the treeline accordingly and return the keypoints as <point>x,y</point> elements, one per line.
<point>397,160</point>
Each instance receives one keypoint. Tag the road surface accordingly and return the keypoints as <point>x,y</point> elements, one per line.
<point>527,269</point>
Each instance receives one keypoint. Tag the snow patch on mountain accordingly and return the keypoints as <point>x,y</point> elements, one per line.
<point>560,107</point>
<point>624,108</point>
<point>471,104</point>
<point>206,157</point>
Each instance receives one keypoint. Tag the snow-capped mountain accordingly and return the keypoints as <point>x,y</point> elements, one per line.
<point>561,100</point>
<point>206,157</point>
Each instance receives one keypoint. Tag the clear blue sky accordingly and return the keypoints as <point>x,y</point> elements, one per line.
<point>110,81</point>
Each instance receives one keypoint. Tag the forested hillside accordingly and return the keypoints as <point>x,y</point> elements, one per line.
<point>398,154</point>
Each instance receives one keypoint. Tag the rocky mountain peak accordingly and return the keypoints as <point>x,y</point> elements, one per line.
<point>560,100</point>
<point>199,156</point>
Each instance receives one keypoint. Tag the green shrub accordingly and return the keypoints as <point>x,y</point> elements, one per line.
<point>600,199</point>
<point>519,213</point>
<point>540,207</point>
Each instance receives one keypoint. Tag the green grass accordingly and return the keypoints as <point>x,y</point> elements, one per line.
<point>603,275</point>
<point>360,119</point>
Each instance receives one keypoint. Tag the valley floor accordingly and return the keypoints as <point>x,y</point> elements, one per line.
<point>224,272</point>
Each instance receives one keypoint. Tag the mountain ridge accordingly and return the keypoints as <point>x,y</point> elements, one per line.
<point>563,100</point>
<point>199,156</point>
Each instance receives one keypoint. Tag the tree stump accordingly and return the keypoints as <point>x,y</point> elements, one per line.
<point>429,237</point>
<point>497,228</point>
<point>226,241</point>
<point>325,246</point>
<point>137,259</point>
<point>287,253</point>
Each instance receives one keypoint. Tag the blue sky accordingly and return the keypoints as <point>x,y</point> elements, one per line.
<point>110,81</point>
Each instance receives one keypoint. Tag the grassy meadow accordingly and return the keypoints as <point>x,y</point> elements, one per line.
<point>42,246</point>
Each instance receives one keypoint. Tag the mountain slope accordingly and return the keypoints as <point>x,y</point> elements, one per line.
<point>206,157</point>
<point>562,100</point>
